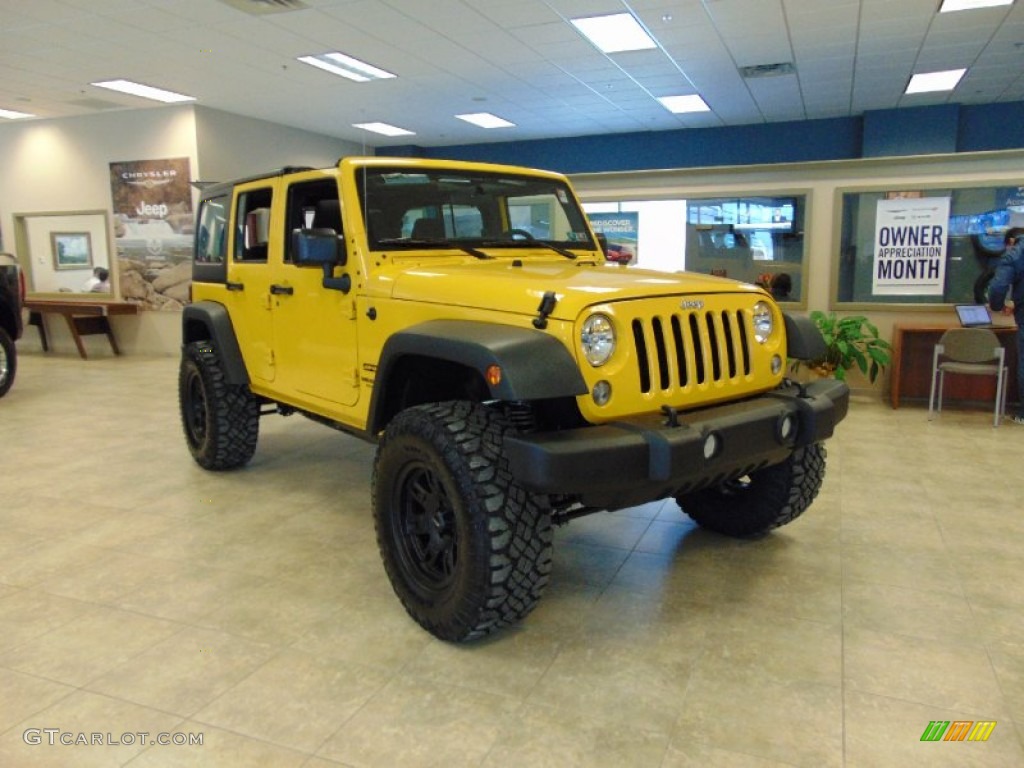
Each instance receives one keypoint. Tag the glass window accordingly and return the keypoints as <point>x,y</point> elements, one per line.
<point>753,238</point>
<point>253,224</point>
<point>412,208</point>
<point>933,246</point>
<point>312,205</point>
<point>211,240</point>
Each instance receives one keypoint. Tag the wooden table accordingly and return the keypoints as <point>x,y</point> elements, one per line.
<point>84,318</point>
<point>913,350</point>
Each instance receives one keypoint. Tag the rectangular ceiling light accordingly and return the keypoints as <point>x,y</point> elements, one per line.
<point>145,91</point>
<point>969,5</point>
<point>486,120</point>
<point>384,129</point>
<point>615,33</point>
<point>683,104</point>
<point>10,114</point>
<point>927,82</point>
<point>346,66</point>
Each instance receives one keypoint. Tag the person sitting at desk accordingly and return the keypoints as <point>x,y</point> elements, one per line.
<point>99,282</point>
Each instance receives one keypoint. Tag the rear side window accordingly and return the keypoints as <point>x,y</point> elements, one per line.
<point>211,247</point>
<point>253,225</point>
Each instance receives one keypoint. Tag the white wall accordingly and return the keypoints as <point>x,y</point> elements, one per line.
<point>231,146</point>
<point>63,165</point>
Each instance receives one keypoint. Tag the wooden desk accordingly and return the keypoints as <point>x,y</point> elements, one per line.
<point>911,375</point>
<point>84,318</point>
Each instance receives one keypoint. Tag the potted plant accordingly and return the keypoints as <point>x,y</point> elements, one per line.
<point>850,341</point>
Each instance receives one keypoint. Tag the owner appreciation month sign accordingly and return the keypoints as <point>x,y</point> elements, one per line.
<point>910,246</point>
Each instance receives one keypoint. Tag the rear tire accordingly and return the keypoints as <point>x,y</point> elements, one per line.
<point>466,549</point>
<point>221,420</point>
<point>771,497</point>
<point>8,362</point>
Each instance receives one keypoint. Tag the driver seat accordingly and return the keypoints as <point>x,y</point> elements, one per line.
<point>428,229</point>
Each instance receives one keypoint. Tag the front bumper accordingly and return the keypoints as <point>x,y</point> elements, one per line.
<point>629,462</point>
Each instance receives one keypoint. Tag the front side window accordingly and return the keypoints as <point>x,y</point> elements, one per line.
<point>312,205</point>
<point>443,208</point>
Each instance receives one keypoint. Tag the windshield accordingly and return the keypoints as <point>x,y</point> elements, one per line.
<point>424,208</point>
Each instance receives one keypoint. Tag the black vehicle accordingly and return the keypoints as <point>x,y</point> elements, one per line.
<point>12,293</point>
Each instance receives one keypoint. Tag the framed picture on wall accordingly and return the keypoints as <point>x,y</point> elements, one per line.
<point>71,250</point>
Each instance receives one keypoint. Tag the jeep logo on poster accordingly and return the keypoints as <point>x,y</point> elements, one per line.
<point>153,227</point>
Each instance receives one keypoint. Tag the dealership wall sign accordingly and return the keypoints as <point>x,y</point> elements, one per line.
<point>910,246</point>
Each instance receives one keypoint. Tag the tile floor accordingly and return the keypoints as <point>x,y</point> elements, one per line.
<point>139,593</point>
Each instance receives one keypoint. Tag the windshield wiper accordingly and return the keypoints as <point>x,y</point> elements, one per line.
<point>529,243</point>
<point>403,241</point>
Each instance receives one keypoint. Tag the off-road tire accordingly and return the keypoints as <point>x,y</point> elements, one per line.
<point>753,505</point>
<point>221,420</point>
<point>8,362</point>
<point>466,549</point>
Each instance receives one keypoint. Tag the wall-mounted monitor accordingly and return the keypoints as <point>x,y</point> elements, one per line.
<point>776,214</point>
<point>773,213</point>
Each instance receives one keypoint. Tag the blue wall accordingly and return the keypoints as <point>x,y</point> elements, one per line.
<point>918,131</point>
<point>939,129</point>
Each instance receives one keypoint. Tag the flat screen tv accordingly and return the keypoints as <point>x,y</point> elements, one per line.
<point>776,214</point>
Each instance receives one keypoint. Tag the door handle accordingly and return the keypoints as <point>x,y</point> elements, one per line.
<point>234,286</point>
<point>282,290</point>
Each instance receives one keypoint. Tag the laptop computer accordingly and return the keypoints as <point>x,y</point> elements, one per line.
<point>973,315</point>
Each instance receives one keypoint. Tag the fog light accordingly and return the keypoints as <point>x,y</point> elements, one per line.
<point>786,428</point>
<point>711,445</point>
<point>602,393</point>
<point>776,365</point>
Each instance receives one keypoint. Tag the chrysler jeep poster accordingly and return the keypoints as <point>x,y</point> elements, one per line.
<point>153,228</point>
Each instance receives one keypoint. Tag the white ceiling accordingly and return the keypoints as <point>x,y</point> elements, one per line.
<point>520,59</point>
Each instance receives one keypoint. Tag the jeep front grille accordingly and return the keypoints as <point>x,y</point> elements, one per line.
<point>691,349</point>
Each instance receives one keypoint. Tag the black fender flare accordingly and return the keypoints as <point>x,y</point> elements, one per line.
<point>803,338</point>
<point>534,365</point>
<point>210,320</point>
<point>10,321</point>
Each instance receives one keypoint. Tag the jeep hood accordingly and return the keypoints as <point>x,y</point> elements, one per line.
<point>498,285</point>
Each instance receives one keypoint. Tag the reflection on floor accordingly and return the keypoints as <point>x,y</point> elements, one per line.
<point>139,593</point>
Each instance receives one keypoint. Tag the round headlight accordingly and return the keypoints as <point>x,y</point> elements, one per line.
<point>763,322</point>
<point>597,338</point>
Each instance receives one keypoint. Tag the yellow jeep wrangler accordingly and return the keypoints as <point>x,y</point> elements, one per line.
<point>463,317</point>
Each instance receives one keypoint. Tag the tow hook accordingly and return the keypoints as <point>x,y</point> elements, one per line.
<point>671,416</point>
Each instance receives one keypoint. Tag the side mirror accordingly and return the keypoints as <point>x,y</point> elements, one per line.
<point>322,248</point>
<point>602,240</point>
<point>317,248</point>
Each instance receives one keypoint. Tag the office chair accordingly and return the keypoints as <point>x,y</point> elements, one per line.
<point>969,351</point>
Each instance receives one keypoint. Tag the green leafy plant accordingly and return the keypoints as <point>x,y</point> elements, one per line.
<point>850,341</point>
